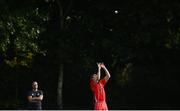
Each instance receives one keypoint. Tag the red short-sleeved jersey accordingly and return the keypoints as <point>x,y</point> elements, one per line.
<point>99,94</point>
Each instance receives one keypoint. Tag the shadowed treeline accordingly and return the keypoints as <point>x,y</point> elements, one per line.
<point>58,42</point>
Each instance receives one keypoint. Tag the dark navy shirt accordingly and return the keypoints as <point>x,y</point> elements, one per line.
<point>35,104</point>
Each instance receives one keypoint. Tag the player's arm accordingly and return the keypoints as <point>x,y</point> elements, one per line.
<point>99,71</point>
<point>106,72</point>
<point>33,99</point>
<point>30,98</point>
<point>40,98</point>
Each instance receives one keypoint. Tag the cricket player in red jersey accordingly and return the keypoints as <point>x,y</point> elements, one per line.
<point>97,86</point>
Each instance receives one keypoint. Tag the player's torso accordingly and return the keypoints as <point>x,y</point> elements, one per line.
<point>99,92</point>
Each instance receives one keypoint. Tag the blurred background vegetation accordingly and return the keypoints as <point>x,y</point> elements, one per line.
<point>58,42</point>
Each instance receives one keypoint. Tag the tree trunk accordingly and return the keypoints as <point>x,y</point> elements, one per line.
<point>60,88</point>
<point>16,93</point>
<point>62,14</point>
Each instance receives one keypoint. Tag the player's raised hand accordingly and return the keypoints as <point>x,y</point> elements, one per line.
<point>99,65</point>
<point>102,65</point>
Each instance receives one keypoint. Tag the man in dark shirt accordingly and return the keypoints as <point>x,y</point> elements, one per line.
<point>35,97</point>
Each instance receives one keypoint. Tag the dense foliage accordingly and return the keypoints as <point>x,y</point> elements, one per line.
<point>139,41</point>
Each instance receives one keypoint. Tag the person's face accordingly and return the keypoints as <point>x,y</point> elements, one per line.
<point>94,77</point>
<point>35,85</point>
